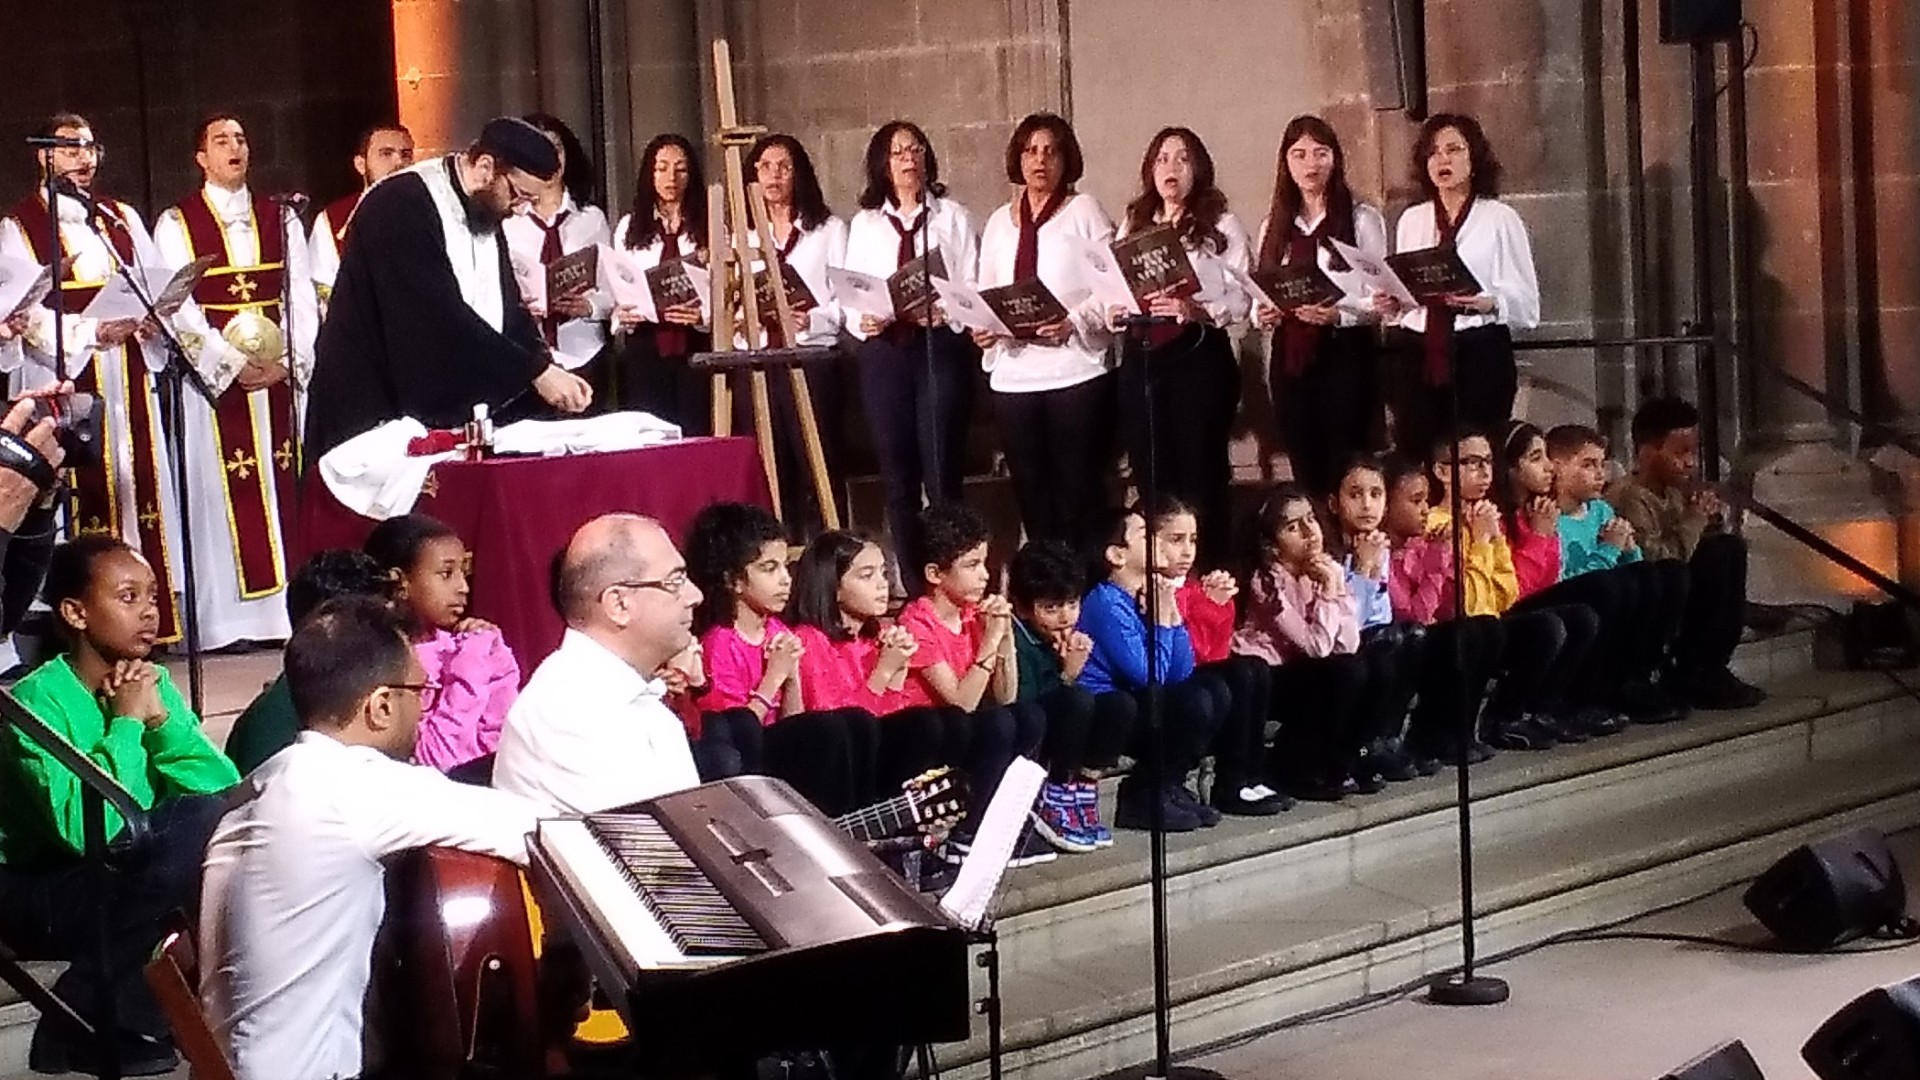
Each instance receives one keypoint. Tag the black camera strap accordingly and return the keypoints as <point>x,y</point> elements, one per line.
<point>20,456</point>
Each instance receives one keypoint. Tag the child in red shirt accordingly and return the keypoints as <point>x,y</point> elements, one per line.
<point>965,659</point>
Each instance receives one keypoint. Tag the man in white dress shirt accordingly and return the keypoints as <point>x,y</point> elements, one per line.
<point>294,891</point>
<point>592,730</point>
<point>243,449</point>
<point>383,150</point>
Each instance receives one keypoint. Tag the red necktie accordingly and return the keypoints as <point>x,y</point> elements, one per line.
<point>902,330</point>
<point>1438,339</point>
<point>670,339</point>
<point>550,251</point>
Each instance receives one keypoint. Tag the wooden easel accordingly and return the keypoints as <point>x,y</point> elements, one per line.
<point>733,251</point>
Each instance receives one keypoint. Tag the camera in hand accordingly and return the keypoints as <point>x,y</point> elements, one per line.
<point>76,423</point>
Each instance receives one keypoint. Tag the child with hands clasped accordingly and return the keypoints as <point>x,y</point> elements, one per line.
<point>1086,732</point>
<point>737,555</point>
<point>965,659</point>
<point>1114,615</point>
<point>472,675</point>
<point>1390,644</point>
<point>1240,685</point>
<point>1302,622</point>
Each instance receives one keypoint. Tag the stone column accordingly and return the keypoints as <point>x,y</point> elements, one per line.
<point>458,63</point>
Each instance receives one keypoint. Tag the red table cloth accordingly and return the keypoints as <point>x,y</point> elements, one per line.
<point>515,514</point>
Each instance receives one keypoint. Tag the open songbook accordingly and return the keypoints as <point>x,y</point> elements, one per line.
<point>168,289</point>
<point>23,284</point>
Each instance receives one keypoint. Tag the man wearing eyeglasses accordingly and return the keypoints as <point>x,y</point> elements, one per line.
<point>425,320</point>
<point>293,891</point>
<point>592,731</point>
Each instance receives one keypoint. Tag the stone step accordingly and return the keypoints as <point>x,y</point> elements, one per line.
<point>1316,909</point>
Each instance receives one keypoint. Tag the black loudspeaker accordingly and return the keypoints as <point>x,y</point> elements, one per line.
<point>1728,1061</point>
<point>1683,22</point>
<point>1395,39</point>
<point>1876,1036</point>
<point>1823,894</point>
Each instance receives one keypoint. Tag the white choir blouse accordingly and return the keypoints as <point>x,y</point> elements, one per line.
<point>822,246</point>
<point>1032,367</point>
<point>873,244</point>
<point>294,892</point>
<point>1493,243</point>
<point>1232,303</point>
<point>1369,235</point>
<point>582,227</point>
<point>646,258</point>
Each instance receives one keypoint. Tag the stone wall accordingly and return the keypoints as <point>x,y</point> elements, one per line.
<point>304,75</point>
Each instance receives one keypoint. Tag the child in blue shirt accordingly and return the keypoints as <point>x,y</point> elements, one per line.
<point>1113,617</point>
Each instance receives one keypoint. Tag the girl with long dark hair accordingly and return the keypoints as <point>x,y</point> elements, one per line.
<point>1188,367</point>
<point>668,221</point>
<point>1320,366</point>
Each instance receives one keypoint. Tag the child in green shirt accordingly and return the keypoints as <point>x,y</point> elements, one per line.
<point>104,696</point>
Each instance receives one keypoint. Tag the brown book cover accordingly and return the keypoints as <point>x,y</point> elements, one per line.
<point>1155,262</point>
<point>1298,285</point>
<point>798,295</point>
<point>573,275</point>
<point>1025,306</point>
<point>909,286</point>
<point>670,285</point>
<point>1435,273</point>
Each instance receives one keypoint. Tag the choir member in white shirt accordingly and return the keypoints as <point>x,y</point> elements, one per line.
<point>1053,398</point>
<point>1323,359</point>
<point>1459,176</point>
<point>915,382</point>
<point>244,446</point>
<point>293,889</point>
<point>383,150</point>
<point>559,221</point>
<point>592,730</point>
<point>1194,373</point>
<point>810,239</point>
<point>668,221</point>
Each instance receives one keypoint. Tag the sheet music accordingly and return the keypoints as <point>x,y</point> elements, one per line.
<point>116,300</point>
<point>862,294</point>
<point>986,864</point>
<point>23,284</point>
<point>702,287</point>
<point>532,279</point>
<point>624,284</point>
<point>1371,273</point>
<point>968,308</point>
<point>1096,271</point>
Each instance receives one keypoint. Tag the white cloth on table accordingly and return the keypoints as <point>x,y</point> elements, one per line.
<point>372,475</point>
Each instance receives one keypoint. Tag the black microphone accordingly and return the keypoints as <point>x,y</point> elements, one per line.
<point>292,199</point>
<point>48,142</point>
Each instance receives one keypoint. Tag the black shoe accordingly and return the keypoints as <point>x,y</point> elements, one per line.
<point>1390,759</point>
<point>1601,722</point>
<point>55,1052</point>
<point>1564,728</point>
<point>1724,690</point>
<point>1523,732</point>
<point>1237,804</point>
<point>1184,797</point>
<point>1367,784</point>
<point>1474,753</point>
<point>1425,766</point>
<point>1135,812</point>
<point>1645,703</point>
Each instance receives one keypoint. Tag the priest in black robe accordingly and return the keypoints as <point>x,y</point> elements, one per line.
<point>426,319</point>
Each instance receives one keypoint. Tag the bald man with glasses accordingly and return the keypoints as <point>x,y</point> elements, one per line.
<point>592,730</point>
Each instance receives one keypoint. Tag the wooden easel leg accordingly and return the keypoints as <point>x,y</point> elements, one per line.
<point>816,453</point>
<point>763,434</point>
<point>722,405</point>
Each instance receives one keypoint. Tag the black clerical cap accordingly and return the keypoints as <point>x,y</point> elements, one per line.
<point>520,145</point>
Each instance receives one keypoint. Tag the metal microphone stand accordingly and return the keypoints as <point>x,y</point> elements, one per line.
<point>1463,987</point>
<point>56,299</point>
<point>169,380</point>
